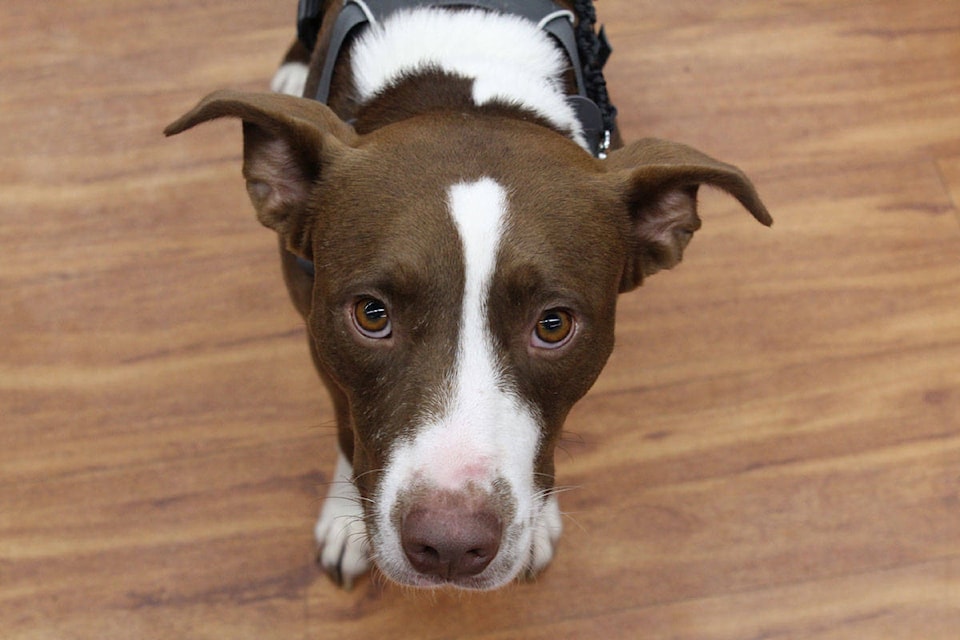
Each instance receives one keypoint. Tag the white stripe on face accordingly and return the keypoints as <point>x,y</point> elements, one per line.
<point>485,436</point>
<point>490,424</point>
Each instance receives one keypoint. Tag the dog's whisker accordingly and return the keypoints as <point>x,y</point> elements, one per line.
<point>552,491</point>
<point>329,426</point>
<point>569,515</point>
<point>568,440</point>
<point>367,473</point>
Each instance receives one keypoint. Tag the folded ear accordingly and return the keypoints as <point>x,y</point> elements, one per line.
<point>286,143</point>
<point>660,180</point>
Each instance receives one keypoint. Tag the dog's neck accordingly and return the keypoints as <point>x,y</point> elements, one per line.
<point>422,55</point>
<point>481,58</point>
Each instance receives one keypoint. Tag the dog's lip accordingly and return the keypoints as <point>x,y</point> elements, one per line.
<point>436,582</point>
<point>486,581</point>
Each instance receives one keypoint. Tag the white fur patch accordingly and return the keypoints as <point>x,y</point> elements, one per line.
<point>487,433</point>
<point>509,58</point>
<point>290,79</point>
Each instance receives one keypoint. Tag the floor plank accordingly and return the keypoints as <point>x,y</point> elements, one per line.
<point>772,451</point>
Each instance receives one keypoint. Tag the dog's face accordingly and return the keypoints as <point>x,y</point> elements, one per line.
<point>464,307</point>
<point>467,272</point>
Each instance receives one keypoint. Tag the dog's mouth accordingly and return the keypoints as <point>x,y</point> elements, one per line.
<point>421,581</point>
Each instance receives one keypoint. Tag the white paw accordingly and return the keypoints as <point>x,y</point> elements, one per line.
<point>342,546</point>
<point>546,533</point>
<point>290,78</point>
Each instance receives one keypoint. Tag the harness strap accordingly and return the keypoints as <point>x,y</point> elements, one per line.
<point>306,266</point>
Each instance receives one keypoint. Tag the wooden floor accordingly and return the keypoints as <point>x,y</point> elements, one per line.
<point>772,452</point>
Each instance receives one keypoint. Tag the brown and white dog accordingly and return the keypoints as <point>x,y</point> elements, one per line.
<point>467,253</point>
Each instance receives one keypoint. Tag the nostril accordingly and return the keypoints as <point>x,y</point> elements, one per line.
<point>425,555</point>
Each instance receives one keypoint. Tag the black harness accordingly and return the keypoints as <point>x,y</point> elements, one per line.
<point>586,50</point>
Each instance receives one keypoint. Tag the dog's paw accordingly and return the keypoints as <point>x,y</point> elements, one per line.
<point>342,545</point>
<point>546,532</point>
<point>290,78</point>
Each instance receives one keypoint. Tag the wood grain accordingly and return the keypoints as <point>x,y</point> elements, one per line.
<point>772,452</point>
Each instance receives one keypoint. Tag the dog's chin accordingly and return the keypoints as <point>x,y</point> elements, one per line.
<point>464,584</point>
<point>492,578</point>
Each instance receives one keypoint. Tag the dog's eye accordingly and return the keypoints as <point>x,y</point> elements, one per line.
<point>553,329</point>
<point>371,318</point>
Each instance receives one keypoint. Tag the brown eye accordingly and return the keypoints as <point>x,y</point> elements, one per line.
<point>371,318</point>
<point>553,329</point>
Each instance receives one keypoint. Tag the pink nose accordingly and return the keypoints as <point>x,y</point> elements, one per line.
<point>449,540</point>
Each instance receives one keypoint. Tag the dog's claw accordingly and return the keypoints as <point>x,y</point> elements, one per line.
<point>336,573</point>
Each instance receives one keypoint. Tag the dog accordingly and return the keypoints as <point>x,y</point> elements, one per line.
<point>455,236</point>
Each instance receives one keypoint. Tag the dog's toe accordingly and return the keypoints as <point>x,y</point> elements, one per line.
<point>342,546</point>
<point>546,532</point>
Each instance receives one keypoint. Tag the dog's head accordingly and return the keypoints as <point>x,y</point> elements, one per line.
<point>467,274</point>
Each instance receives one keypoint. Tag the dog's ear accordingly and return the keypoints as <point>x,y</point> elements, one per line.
<point>286,143</point>
<point>659,180</point>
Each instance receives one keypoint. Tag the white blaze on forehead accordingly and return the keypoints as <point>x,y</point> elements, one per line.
<point>510,59</point>
<point>485,431</point>
<point>478,210</point>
